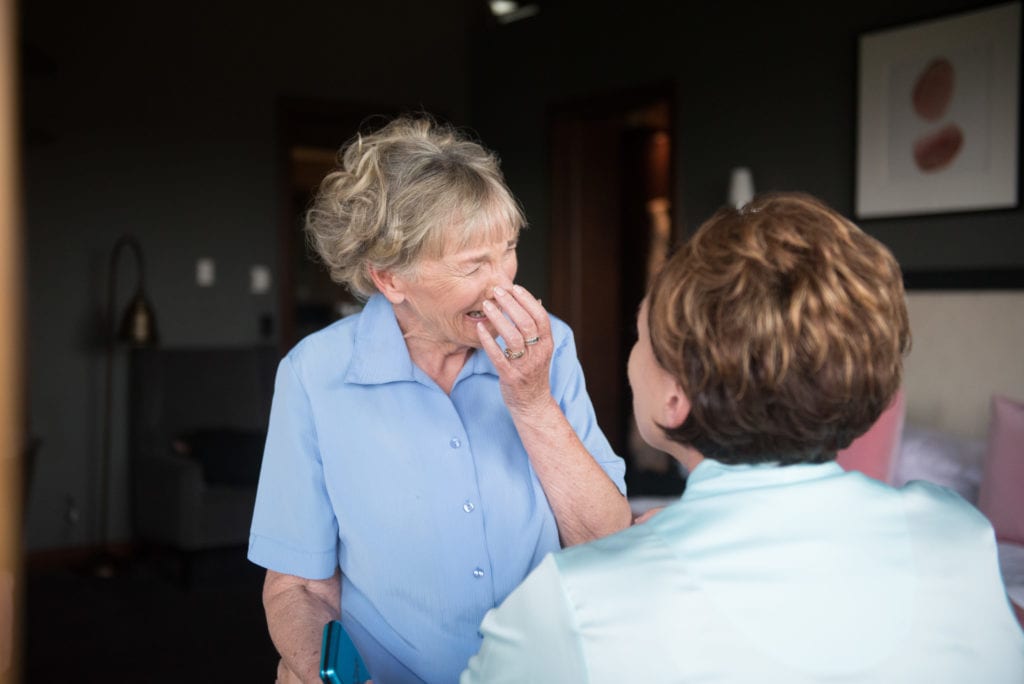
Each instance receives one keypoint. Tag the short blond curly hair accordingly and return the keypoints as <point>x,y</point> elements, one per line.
<point>785,326</point>
<point>412,189</point>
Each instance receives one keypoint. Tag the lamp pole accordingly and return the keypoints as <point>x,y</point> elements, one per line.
<point>139,328</point>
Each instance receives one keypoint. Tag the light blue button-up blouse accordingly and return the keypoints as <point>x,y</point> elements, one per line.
<point>427,501</point>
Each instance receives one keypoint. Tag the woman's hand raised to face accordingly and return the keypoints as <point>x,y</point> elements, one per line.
<point>524,365</point>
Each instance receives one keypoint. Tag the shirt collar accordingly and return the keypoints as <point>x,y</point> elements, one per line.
<point>380,355</point>
<point>711,478</point>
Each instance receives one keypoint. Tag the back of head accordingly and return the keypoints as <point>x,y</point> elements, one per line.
<point>785,325</point>
<point>410,189</point>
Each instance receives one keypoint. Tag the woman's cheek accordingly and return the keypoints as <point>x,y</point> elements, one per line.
<point>512,267</point>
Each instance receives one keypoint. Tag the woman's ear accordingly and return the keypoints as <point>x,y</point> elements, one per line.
<point>676,408</point>
<point>390,285</point>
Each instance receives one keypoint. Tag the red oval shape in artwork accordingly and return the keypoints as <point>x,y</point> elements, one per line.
<point>937,150</point>
<point>933,90</point>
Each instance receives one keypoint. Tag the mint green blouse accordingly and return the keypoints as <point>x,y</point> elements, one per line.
<point>762,573</point>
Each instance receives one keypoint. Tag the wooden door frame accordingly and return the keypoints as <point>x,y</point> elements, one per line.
<point>316,123</point>
<point>568,235</point>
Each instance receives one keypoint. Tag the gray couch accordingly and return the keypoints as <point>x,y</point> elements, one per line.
<point>198,419</point>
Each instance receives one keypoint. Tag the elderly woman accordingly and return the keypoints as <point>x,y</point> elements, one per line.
<point>770,341</point>
<point>424,455</point>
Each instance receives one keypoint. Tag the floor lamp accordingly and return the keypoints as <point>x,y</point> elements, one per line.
<point>138,329</point>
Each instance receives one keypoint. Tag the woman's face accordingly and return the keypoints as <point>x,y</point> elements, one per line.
<point>444,297</point>
<point>653,387</point>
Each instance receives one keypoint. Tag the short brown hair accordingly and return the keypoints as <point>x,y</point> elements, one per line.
<point>785,326</point>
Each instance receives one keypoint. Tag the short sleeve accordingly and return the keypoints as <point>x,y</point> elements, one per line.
<point>294,528</point>
<point>531,636</point>
<point>570,390</point>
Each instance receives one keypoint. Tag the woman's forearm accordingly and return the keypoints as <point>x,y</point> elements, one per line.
<point>586,503</point>
<point>297,610</point>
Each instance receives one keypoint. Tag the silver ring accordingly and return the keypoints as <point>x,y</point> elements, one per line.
<point>532,340</point>
<point>512,356</point>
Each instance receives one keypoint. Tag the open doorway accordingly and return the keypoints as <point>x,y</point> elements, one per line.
<point>310,134</point>
<point>612,180</point>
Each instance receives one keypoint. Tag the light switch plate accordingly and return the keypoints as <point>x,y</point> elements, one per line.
<point>206,272</point>
<point>259,279</point>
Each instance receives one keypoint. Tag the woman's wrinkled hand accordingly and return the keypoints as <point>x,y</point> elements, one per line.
<point>286,676</point>
<point>524,365</point>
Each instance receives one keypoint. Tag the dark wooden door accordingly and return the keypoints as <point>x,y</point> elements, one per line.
<point>611,183</point>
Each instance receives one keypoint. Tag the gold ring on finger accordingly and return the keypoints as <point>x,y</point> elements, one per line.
<point>532,340</point>
<point>513,355</point>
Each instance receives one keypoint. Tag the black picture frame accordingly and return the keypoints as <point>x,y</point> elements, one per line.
<point>938,115</point>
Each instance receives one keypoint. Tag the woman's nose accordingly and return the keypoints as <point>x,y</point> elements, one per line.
<point>499,279</point>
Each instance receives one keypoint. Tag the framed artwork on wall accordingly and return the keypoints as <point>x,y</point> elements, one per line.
<point>938,120</point>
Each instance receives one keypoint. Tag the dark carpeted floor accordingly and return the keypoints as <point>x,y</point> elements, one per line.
<point>151,622</point>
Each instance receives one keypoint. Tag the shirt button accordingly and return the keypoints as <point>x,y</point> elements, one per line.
<point>468,506</point>
<point>455,443</point>
<point>478,573</point>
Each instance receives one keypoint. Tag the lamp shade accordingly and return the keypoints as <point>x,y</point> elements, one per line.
<point>138,324</point>
<point>741,186</point>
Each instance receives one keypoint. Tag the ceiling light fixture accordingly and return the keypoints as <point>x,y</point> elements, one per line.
<point>507,11</point>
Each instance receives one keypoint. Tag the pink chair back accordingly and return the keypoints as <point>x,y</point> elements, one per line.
<point>875,452</point>
<point>1001,495</point>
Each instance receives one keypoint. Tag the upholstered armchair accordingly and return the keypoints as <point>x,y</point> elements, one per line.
<point>198,419</point>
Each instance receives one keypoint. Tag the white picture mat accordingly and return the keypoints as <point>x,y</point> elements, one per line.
<point>984,48</point>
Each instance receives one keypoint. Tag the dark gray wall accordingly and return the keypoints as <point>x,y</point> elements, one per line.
<point>159,120</point>
<point>771,86</point>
